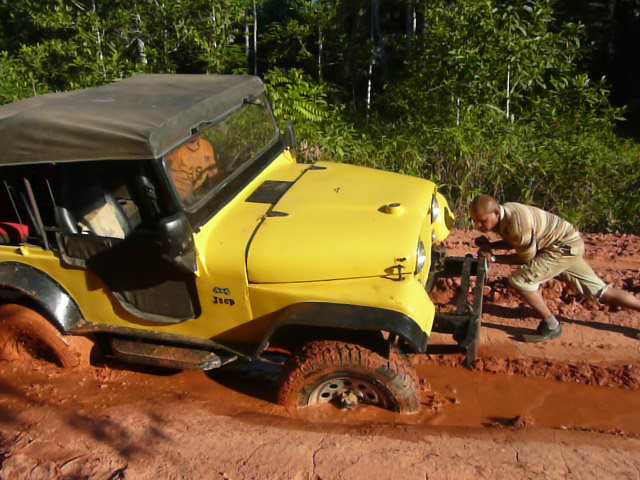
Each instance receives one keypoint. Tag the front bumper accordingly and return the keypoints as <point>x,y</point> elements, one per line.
<point>464,323</point>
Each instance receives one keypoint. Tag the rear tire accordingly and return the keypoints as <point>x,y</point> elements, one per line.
<point>26,333</point>
<point>329,371</point>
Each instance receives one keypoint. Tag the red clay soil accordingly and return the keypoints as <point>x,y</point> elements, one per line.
<point>566,409</point>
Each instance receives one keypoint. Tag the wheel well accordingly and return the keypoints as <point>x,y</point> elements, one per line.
<point>33,288</point>
<point>10,295</point>
<point>292,337</point>
<point>358,324</point>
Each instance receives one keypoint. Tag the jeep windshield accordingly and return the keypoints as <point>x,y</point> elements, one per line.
<point>216,154</point>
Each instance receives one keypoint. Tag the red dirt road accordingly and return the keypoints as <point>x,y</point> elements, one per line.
<point>566,409</point>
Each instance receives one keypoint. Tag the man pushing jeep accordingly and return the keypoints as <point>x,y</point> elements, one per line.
<point>546,246</point>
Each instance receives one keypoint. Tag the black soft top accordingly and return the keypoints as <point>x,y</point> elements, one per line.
<point>142,117</point>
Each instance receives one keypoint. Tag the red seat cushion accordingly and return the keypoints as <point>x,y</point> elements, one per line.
<point>14,232</point>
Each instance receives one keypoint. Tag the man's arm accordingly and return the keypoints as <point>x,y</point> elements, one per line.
<point>485,245</point>
<point>512,259</point>
<point>500,245</point>
<point>485,249</point>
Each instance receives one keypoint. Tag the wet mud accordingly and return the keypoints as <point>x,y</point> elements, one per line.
<point>451,397</point>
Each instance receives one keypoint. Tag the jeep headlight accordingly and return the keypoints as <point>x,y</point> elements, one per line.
<point>435,209</point>
<point>421,257</point>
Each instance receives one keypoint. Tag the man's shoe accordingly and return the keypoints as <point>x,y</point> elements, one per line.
<point>543,333</point>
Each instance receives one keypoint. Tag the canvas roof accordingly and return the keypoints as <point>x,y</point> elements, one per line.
<point>142,117</point>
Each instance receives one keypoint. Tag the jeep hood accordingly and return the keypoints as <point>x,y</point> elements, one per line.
<point>338,221</point>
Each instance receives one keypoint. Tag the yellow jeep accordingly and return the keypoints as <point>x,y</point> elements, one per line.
<point>165,218</point>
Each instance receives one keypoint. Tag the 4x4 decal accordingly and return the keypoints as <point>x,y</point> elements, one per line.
<point>222,301</point>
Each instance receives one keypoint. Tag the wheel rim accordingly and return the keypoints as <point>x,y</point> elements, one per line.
<point>340,389</point>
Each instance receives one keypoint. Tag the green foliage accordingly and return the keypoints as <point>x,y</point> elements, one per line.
<point>62,44</point>
<point>296,98</point>
<point>15,81</point>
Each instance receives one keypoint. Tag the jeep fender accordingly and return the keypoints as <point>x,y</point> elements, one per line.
<point>20,282</point>
<point>348,317</point>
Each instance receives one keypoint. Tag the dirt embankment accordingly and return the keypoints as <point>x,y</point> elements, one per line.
<point>566,409</point>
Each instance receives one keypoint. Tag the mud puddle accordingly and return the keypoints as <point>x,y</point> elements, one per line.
<point>473,399</point>
<point>461,398</point>
<point>456,398</point>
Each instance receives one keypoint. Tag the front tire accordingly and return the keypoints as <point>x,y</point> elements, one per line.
<point>344,373</point>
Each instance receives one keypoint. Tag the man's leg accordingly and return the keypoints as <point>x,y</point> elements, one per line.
<point>534,298</point>
<point>527,280</point>
<point>585,279</point>
<point>622,298</point>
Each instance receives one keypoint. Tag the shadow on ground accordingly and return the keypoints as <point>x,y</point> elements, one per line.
<point>516,332</point>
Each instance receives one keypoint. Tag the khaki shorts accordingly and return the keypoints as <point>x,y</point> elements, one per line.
<point>559,261</point>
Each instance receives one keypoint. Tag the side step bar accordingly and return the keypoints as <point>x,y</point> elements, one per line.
<point>464,324</point>
<point>145,353</point>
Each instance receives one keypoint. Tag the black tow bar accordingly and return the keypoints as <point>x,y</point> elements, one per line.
<point>465,322</point>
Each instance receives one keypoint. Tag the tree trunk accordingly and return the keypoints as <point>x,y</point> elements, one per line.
<point>214,20</point>
<point>247,47</point>
<point>99,41</point>
<point>369,86</point>
<point>508,110</point>
<point>320,45</point>
<point>410,18</point>
<point>255,38</point>
<point>140,46</point>
<point>374,34</point>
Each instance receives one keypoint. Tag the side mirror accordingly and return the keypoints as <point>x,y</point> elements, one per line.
<point>175,236</point>
<point>290,137</point>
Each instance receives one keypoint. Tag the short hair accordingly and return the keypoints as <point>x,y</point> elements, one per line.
<point>484,204</point>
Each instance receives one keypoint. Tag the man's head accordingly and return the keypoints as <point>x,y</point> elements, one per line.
<point>485,212</point>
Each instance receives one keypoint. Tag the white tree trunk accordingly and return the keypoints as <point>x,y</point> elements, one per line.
<point>411,21</point>
<point>415,20</point>
<point>320,45</point>
<point>214,20</point>
<point>374,27</point>
<point>247,43</point>
<point>255,38</point>
<point>140,46</point>
<point>99,42</point>
<point>508,109</point>
<point>369,85</point>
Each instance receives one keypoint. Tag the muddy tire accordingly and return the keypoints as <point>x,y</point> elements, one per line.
<point>25,333</point>
<point>333,372</point>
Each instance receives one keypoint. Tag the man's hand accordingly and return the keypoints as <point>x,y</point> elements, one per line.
<point>482,243</point>
<point>484,248</point>
<point>487,254</point>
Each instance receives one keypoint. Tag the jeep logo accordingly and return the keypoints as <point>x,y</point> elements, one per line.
<point>223,301</point>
